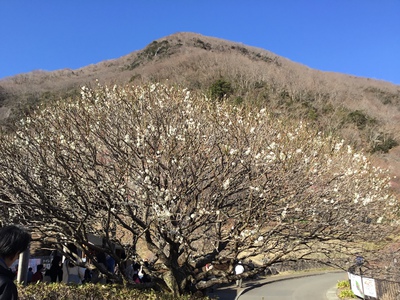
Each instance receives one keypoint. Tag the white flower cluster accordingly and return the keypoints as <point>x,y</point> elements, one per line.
<point>226,183</point>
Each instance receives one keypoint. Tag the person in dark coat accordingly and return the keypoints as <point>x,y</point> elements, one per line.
<point>55,272</point>
<point>13,241</point>
<point>29,275</point>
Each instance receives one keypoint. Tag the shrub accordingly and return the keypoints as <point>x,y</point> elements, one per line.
<point>312,113</point>
<point>220,89</point>
<point>57,291</point>
<point>385,145</point>
<point>343,284</point>
<point>346,294</point>
<point>238,100</point>
<point>359,118</point>
<point>200,44</point>
<point>344,290</point>
<point>156,48</point>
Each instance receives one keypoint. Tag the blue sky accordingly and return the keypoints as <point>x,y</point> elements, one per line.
<point>357,37</point>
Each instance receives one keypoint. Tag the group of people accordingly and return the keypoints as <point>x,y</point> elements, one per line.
<point>15,240</point>
<point>70,272</point>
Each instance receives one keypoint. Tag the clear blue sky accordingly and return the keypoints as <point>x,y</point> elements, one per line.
<point>357,37</point>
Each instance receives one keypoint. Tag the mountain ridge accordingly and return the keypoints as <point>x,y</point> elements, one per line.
<point>364,111</point>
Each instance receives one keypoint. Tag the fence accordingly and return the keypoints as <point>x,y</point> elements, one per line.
<point>298,265</point>
<point>374,289</point>
<point>364,286</point>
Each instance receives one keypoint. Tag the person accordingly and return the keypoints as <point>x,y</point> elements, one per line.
<point>110,264</point>
<point>146,271</point>
<point>38,276</point>
<point>29,275</point>
<point>141,274</point>
<point>135,278</point>
<point>87,277</point>
<point>55,272</point>
<point>251,265</point>
<point>239,269</point>
<point>97,276</point>
<point>129,270</point>
<point>13,241</point>
<point>16,272</point>
<point>72,273</point>
<point>209,267</point>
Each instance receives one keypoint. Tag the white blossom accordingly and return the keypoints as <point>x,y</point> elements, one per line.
<point>226,183</point>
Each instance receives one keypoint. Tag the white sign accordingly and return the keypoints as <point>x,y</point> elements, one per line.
<point>362,286</point>
<point>369,287</point>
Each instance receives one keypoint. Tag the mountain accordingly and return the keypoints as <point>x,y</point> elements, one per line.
<point>365,112</point>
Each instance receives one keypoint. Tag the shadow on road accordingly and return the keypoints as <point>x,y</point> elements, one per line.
<point>230,292</point>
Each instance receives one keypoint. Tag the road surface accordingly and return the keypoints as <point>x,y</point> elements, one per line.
<point>316,287</point>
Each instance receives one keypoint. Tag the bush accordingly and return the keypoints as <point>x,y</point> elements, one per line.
<point>56,291</point>
<point>156,48</point>
<point>359,118</point>
<point>343,284</point>
<point>385,145</point>
<point>346,294</point>
<point>238,100</point>
<point>344,290</point>
<point>220,89</point>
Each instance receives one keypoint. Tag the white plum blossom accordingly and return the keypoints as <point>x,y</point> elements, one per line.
<point>226,183</point>
<point>233,151</point>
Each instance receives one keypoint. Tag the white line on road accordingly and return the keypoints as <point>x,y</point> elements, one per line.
<point>331,294</point>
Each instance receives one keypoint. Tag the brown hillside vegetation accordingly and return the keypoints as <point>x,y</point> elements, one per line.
<point>365,112</point>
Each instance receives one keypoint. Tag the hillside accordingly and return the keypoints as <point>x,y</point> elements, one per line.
<point>365,112</point>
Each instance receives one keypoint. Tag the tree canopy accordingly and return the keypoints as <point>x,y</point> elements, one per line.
<point>193,180</point>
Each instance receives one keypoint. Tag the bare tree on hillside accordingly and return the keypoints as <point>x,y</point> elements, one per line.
<point>199,182</point>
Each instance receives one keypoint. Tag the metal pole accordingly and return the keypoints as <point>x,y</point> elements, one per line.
<point>23,264</point>
<point>362,285</point>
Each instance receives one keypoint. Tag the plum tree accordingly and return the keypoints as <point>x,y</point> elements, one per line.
<point>196,181</point>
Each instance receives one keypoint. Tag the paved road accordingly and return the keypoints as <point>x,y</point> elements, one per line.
<point>315,287</point>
